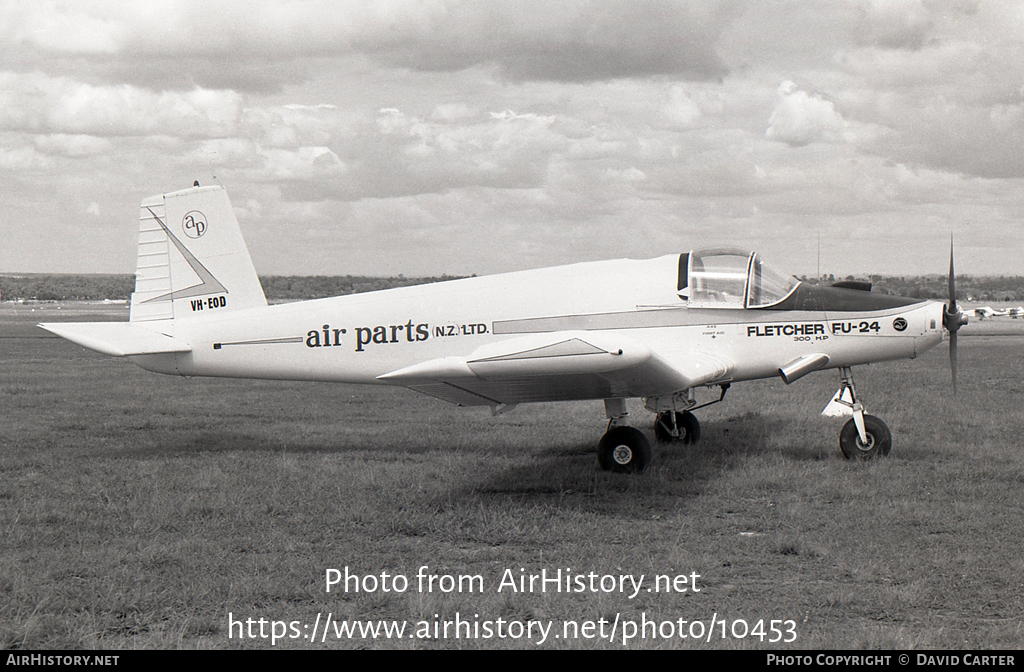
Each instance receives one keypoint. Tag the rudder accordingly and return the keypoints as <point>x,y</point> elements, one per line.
<point>192,259</point>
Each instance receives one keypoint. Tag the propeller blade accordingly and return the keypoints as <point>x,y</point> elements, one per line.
<point>952,279</point>
<point>953,318</point>
<point>952,358</point>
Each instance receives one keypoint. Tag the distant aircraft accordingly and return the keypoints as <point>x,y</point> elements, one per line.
<point>660,329</point>
<point>985,312</point>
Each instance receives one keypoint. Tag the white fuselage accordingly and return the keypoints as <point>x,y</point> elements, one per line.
<point>357,338</point>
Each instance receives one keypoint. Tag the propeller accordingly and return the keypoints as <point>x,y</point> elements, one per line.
<point>953,318</point>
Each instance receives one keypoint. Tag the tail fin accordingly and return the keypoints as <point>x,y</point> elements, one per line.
<point>192,259</point>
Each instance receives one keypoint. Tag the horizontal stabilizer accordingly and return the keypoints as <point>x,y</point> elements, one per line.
<point>120,339</point>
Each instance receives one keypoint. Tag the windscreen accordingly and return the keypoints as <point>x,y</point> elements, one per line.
<point>768,285</point>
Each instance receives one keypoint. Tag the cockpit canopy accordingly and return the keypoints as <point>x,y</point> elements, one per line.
<point>732,278</point>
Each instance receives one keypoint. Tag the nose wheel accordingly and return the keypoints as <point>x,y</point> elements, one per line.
<point>864,436</point>
<point>877,443</point>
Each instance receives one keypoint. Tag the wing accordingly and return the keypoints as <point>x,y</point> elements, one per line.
<point>559,366</point>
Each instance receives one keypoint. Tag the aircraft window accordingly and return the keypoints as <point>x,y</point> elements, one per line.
<point>718,278</point>
<point>768,285</point>
<point>735,279</point>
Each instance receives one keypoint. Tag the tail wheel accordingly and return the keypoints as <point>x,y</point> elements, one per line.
<point>624,450</point>
<point>677,426</point>
<point>879,441</point>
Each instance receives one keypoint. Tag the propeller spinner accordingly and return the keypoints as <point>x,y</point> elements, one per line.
<point>953,318</point>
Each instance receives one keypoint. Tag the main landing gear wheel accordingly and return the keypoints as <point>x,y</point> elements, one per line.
<point>677,426</point>
<point>624,450</point>
<point>878,444</point>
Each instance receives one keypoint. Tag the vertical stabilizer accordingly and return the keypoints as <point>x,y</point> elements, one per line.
<point>192,258</point>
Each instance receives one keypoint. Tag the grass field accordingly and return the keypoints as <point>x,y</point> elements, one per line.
<point>138,511</point>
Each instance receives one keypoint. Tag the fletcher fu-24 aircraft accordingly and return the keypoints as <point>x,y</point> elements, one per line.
<point>658,329</point>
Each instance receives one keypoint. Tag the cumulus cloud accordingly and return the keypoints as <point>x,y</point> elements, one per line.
<point>449,112</point>
<point>291,125</point>
<point>410,155</point>
<point>800,118</point>
<point>42,104</point>
<point>304,163</point>
<point>681,112</point>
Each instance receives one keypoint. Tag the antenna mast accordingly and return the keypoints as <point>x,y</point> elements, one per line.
<point>819,254</point>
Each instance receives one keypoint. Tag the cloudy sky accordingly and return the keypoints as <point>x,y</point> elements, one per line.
<point>460,136</point>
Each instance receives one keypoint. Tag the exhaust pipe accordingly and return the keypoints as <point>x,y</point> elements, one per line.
<point>801,366</point>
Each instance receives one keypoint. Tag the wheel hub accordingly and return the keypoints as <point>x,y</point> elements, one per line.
<point>622,454</point>
<point>866,446</point>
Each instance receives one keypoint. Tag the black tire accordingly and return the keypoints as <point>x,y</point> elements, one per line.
<point>879,439</point>
<point>683,427</point>
<point>624,450</point>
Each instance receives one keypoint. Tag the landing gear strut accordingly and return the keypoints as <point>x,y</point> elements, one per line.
<point>624,449</point>
<point>675,422</point>
<point>682,427</point>
<point>864,436</point>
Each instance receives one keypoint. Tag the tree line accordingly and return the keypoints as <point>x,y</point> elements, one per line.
<point>66,287</point>
<point>971,288</point>
<point>99,287</point>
